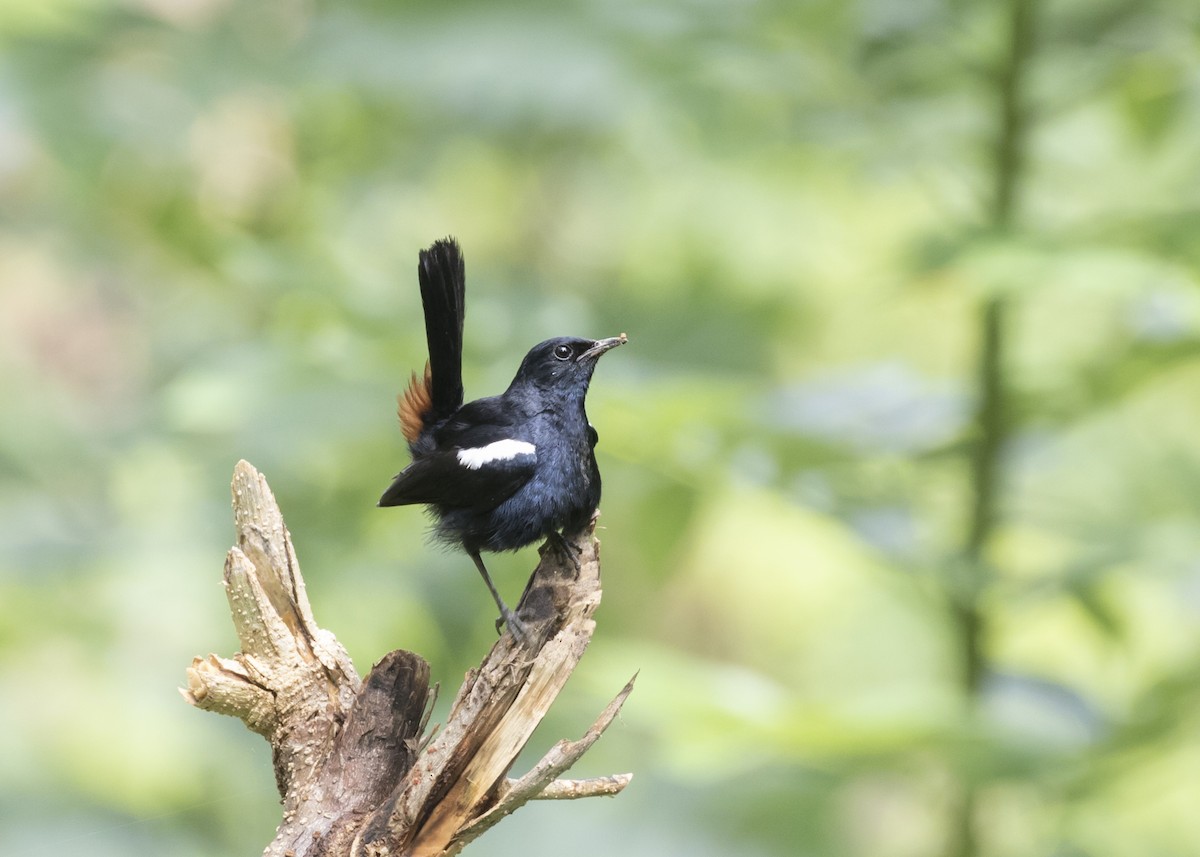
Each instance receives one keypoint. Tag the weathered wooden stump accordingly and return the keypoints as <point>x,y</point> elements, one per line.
<point>356,771</point>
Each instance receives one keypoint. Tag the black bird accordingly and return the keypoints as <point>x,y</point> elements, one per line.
<point>502,472</point>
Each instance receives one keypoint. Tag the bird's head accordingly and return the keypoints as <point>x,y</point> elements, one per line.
<point>563,364</point>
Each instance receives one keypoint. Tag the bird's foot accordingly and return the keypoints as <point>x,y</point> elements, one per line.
<point>507,616</point>
<point>516,627</point>
<point>572,552</point>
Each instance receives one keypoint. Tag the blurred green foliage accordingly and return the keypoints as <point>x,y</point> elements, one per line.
<point>801,213</point>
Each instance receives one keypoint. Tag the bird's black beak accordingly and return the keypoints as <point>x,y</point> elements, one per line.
<point>603,345</point>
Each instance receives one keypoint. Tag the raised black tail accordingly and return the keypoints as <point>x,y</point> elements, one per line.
<point>443,294</point>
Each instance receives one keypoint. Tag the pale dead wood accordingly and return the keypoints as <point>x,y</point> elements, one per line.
<point>591,787</point>
<point>354,771</point>
<point>516,793</point>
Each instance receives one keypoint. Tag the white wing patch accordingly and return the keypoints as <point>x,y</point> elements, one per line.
<point>501,450</point>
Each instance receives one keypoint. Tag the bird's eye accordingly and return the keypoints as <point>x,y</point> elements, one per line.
<point>563,352</point>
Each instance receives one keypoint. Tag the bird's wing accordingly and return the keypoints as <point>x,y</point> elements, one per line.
<point>480,460</point>
<point>480,477</point>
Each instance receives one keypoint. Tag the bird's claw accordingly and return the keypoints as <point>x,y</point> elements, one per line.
<point>516,627</point>
<point>572,551</point>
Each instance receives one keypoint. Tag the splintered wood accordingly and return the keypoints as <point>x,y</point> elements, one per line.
<point>356,775</point>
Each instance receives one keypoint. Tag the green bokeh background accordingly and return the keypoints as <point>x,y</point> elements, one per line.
<point>902,474</point>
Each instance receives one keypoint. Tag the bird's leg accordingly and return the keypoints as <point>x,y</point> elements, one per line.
<point>507,617</point>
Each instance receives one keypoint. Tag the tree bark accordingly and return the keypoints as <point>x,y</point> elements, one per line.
<point>357,772</point>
